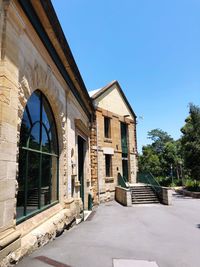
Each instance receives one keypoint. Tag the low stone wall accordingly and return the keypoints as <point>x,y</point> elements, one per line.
<point>188,193</point>
<point>166,196</point>
<point>123,196</point>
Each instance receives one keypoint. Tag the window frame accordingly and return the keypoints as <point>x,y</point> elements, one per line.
<point>109,171</point>
<point>107,127</point>
<point>31,151</point>
<point>124,138</point>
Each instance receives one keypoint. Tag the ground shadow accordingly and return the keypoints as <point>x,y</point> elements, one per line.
<point>179,196</point>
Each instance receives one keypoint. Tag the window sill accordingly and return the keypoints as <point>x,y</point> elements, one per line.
<point>107,140</point>
<point>109,179</point>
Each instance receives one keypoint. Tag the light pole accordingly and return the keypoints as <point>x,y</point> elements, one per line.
<point>181,170</point>
<point>171,172</point>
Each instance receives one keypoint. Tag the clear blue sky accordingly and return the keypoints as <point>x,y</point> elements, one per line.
<point>151,47</point>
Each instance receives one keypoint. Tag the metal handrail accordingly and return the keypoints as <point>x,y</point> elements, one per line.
<point>148,178</point>
<point>122,182</point>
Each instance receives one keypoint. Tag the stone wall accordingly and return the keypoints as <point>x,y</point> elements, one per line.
<point>123,196</point>
<point>25,66</point>
<point>94,162</point>
<point>187,193</point>
<point>166,196</point>
<point>75,114</point>
<point>100,146</point>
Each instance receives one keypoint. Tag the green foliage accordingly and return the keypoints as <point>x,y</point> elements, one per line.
<point>164,181</point>
<point>165,158</point>
<point>161,155</point>
<point>167,181</point>
<point>193,185</point>
<point>149,161</point>
<point>190,142</point>
<point>159,138</point>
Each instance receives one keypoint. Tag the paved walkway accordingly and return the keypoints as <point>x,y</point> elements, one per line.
<point>153,235</point>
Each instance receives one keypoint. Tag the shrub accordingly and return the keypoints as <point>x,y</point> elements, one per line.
<point>192,185</point>
<point>167,181</point>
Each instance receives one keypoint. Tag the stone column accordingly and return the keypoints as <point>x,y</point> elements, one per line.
<point>132,151</point>
<point>94,161</point>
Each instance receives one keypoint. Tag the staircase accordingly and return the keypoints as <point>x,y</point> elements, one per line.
<point>32,199</point>
<point>143,194</point>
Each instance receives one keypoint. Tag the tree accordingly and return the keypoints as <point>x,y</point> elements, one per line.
<point>190,141</point>
<point>159,138</point>
<point>172,158</point>
<point>149,161</point>
<point>162,155</point>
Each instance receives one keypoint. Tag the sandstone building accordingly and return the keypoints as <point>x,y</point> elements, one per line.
<point>113,143</point>
<point>50,156</point>
<point>45,117</point>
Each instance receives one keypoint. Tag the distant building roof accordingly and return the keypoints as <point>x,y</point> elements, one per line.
<point>96,93</point>
<point>92,93</point>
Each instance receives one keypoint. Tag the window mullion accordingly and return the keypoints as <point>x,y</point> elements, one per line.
<point>26,183</point>
<point>40,164</point>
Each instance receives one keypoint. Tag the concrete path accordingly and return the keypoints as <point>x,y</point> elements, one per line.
<point>153,235</point>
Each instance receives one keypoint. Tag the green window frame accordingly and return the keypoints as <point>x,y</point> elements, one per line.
<point>124,138</point>
<point>38,159</point>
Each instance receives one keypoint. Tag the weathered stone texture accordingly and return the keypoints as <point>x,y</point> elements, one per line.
<point>25,66</point>
<point>123,196</point>
<point>106,186</point>
<point>75,113</point>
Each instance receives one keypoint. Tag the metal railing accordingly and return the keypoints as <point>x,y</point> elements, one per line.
<point>122,182</point>
<point>149,179</point>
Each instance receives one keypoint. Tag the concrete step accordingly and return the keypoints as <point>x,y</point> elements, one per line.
<point>145,202</point>
<point>143,195</point>
<point>140,191</point>
<point>147,190</point>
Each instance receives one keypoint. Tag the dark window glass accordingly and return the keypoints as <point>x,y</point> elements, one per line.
<point>46,180</point>
<point>38,158</point>
<point>108,163</point>
<point>124,138</point>
<point>53,139</point>
<point>26,120</point>
<point>33,182</point>
<point>46,144</point>
<point>21,183</point>
<point>33,106</point>
<point>47,114</point>
<point>125,169</point>
<point>34,138</point>
<point>25,128</point>
<point>107,127</point>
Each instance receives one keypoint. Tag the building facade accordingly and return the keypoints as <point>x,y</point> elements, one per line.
<point>113,141</point>
<point>59,148</point>
<point>45,119</point>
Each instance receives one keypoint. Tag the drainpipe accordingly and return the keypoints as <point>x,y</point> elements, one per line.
<point>98,186</point>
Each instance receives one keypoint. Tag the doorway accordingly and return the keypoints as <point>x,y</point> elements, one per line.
<point>125,169</point>
<point>81,160</point>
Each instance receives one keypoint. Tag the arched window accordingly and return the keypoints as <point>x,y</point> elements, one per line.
<point>38,158</point>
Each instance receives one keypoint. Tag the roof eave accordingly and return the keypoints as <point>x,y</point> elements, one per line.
<point>84,100</point>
